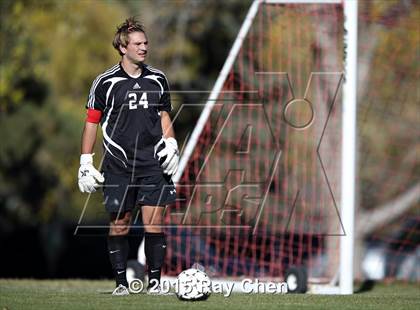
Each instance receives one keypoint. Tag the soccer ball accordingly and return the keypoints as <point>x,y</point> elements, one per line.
<point>193,284</point>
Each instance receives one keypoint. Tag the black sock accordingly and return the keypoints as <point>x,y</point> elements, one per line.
<point>118,251</point>
<point>155,250</point>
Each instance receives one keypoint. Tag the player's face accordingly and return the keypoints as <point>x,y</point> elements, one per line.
<point>136,49</point>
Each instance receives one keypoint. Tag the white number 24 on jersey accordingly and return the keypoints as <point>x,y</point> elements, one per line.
<point>133,103</point>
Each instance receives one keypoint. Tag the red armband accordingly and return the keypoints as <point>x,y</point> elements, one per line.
<point>93,116</point>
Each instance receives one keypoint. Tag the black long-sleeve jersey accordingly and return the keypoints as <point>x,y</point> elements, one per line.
<point>130,121</point>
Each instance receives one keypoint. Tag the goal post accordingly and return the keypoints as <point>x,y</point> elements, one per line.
<point>216,89</point>
<point>348,166</point>
<point>312,239</point>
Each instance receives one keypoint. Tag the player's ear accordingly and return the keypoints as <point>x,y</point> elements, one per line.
<point>123,49</point>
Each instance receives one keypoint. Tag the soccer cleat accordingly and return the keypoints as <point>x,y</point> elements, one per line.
<point>120,290</point>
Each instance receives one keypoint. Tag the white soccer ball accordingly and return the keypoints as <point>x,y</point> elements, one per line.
<point>193,284</point>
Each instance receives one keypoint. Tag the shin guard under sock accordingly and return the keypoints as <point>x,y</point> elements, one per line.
<point>118,251</point>
<point>155,250</point>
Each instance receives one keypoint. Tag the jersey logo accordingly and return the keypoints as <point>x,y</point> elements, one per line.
<point>136,86</point>
<point>133,103</point>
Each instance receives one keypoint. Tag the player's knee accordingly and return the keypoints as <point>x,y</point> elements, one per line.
<point>154,218</point>
<point>119,227</point>
<point>119,231</point>
<point>153,228</point>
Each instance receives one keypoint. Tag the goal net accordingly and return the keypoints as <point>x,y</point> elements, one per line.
<point>260,181</point>
<point>261,189</point>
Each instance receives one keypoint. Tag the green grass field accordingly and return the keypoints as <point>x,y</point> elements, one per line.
<point>83,294</point>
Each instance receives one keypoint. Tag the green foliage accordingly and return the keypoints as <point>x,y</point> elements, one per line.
<point>20,53</point>
<point>388,111</point>
<point>190,39</point>
<point>54,51</point>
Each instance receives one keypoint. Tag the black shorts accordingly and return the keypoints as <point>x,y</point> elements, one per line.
<point>122,194</point>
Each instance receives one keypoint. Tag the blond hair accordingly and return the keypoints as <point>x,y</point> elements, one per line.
<point>130,25</point>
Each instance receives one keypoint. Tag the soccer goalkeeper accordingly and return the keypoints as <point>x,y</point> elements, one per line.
<point>131,101</point>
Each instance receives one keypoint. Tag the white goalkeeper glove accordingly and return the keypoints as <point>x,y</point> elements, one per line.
<point>170,151</point>
<point>88,175</point>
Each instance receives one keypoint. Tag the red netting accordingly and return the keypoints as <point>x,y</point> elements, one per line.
<point>388,118</point>
<point>261,191</point>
